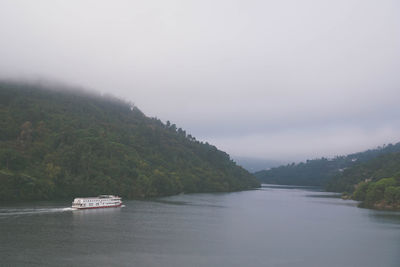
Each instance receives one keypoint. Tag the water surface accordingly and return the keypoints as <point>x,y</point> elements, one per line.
<point>273,226</point>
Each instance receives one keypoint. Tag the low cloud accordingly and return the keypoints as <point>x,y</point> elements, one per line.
<point>301,145</point>
<point>271,79</point>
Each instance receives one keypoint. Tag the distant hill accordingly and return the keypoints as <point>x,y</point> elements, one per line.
<point>319,172</point>
<point>57,143</point>
<point>256,164</point>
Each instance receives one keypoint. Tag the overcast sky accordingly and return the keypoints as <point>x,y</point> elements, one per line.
<point>285,80</point>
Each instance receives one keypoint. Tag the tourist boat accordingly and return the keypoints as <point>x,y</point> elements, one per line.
<point>102,201</point>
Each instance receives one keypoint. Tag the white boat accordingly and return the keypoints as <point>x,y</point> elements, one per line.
<point>102,201</point>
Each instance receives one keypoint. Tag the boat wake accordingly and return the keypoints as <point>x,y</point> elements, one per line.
<point>31,211</point>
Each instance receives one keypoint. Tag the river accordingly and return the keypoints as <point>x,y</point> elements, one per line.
<point>272,226</point>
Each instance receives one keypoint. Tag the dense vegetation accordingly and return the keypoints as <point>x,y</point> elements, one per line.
<point>386,165</point>
<point>368,182</point>
<point>382,194</point>
<point>60,144</point>
<point>319,172</point>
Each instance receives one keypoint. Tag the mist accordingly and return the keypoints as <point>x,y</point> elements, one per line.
<point>285,81</point>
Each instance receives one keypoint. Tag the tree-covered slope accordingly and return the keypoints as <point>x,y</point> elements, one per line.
<point>320,171</point>
<point>383,166</point>
<point>381,194</point>
<point>376,183</point>
<point>64,143</point>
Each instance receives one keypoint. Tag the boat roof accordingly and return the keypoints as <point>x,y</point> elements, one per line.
<point>101,196</point>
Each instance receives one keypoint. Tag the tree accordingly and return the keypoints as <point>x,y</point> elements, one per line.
<point>390,194</point>
<point>361,191</point>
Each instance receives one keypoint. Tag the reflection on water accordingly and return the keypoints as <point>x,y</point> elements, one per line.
<point>185,203</point>
<point>274,226</point>
<point>309,188</point>
<point>388,217</point>
<point>166,201</point>
<point>326,195</point>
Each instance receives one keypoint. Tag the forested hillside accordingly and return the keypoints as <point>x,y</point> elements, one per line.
<point>386,165</point>
<point>376,183</point>
<point>320,171</point>
<point>57,143</point>
<point>381,194</point>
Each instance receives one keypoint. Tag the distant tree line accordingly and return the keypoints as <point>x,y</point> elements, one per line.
<point>372,176</point>
<point>323,171</point>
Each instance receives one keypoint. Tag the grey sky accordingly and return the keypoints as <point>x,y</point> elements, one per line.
<point>285,80</point>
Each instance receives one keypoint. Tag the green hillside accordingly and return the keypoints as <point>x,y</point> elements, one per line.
<point>57,143</point>
<point>319,172</point>
<point>386,165</point>
<point>376,183</point>
<point>381,194</point>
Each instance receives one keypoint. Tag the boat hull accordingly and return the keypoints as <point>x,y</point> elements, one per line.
<point>98,207</point>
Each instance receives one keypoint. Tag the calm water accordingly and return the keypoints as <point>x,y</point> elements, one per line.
<point>273,226</point>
